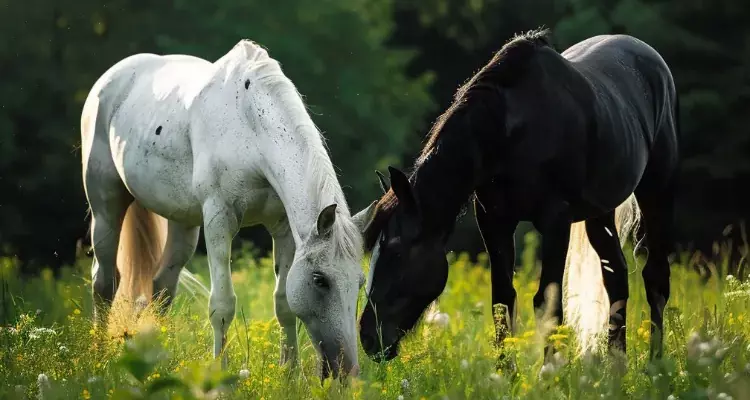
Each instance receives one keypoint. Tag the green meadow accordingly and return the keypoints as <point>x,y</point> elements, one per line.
<point>49,350</point>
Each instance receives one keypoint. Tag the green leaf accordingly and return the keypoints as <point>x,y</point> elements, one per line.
<point>163,383</point>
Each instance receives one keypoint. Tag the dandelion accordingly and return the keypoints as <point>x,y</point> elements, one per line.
<point>86,395</point>
<point>163,329</point>
<point>77,311</point>
<point>494,377</point>
<point>244,373</point>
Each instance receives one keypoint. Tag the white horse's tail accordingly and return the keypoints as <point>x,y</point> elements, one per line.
<point>142,240</point>
<point>586,302</point>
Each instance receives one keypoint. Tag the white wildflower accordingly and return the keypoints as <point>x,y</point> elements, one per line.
<point>464,364</point>
<point>400,397</point>
<point>547,371</point>
<point>45,387</point>
<point>439,319</point>
<point>723,396</point>
<point>404,384</point>
<point>494,377</point>
<point>244,373</point>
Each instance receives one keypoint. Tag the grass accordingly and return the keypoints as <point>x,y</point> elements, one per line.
<point>47,343</point>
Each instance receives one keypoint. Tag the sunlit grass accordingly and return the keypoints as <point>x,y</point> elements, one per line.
<point>47,330</point>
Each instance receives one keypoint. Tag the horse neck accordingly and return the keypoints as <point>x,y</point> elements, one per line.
<point>302,175</point>
<point>444,180</point>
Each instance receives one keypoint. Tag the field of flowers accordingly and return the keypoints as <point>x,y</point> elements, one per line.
<point>49,350</point>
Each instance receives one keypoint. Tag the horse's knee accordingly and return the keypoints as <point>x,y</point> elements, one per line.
<point>656,278</point>
<point>283,312</point>
<point>221,311</point>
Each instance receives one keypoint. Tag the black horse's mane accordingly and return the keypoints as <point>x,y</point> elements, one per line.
<point>507,66</point>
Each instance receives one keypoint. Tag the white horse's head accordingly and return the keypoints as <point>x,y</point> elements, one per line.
<point>323,285</point>
<point>324,278</point>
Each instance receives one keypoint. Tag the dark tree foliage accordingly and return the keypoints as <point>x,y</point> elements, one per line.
<point>375,75</point>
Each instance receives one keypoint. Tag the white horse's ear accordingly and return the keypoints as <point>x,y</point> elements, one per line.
<point>326,218</point>
<point>363,218</point>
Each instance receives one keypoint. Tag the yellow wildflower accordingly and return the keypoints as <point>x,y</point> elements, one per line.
<point>76,311</point>
<point>86,394</point>
<point>163,329</point>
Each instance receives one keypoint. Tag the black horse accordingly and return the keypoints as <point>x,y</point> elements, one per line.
<point>559,140</point>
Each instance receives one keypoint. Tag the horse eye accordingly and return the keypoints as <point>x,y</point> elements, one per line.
<point>320,280</point>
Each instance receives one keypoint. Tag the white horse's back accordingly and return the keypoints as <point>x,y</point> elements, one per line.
<point>142,122</point>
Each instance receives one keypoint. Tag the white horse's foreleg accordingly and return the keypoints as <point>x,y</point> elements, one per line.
<point>283,255</point>
<point>220,225</point>
<point>181,243</point>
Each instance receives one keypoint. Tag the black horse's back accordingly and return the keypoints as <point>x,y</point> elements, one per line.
<point>634,109</point>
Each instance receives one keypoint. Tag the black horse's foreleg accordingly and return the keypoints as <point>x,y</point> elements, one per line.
<point>603,237</point>
<point>497,233</point>
<point>554,226</point>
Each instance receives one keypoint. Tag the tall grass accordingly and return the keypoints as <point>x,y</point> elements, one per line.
<point>47,343</point>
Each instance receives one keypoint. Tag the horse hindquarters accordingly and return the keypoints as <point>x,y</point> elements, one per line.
<point>111,211</point>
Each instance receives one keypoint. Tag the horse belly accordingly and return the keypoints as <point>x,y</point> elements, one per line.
<point>616,175</point>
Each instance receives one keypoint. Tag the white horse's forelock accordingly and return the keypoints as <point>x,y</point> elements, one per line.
<point>323,182</point>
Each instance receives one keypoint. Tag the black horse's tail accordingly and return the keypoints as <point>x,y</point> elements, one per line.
<point>585,299</point>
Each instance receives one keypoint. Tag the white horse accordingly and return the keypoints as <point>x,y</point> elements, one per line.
<point>174,142</point>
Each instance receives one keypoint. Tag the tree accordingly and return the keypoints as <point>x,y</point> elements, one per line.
<point>54,50</point>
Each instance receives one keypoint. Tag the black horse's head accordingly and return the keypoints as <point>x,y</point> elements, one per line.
<point>408,268</point>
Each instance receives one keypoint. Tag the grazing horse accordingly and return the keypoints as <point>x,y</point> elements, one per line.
<point>172,143</point>
<point>568,141</point>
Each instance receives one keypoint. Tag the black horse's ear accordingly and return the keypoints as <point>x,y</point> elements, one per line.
<point>383,181</point>
<point>402,188</point>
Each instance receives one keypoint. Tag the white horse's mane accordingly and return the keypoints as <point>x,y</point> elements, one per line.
<point>323,182</point>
